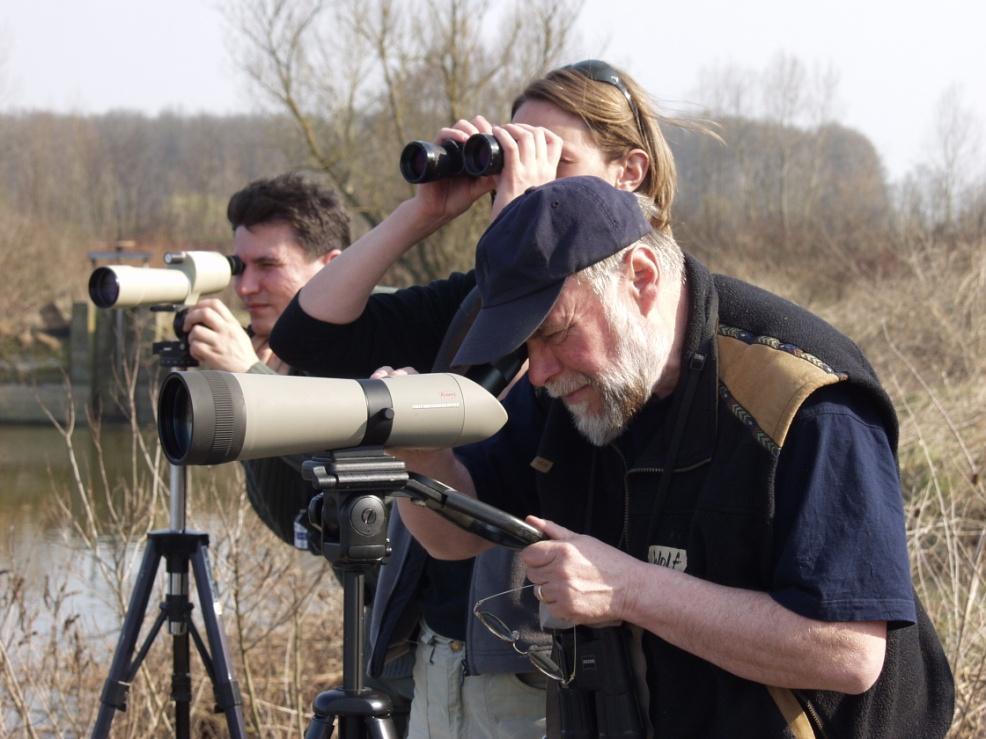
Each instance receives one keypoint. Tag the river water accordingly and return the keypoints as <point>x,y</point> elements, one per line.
<point>37,542</point>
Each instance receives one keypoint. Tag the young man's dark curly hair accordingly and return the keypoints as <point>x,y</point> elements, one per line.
<point>319,221</point>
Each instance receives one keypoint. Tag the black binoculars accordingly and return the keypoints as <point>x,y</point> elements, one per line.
<point>423,161</point>
<point>601,700</point>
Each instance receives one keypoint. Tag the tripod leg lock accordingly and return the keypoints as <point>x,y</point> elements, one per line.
<point>227,696</point>
<point>115,694</point>
<point>181,687</point>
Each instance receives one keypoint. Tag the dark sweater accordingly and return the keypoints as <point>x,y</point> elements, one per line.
<point>401,329</point>
<point>408,328</point>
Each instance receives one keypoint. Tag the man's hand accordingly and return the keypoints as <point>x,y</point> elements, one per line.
<point>581,579</point>
<point>745,632</point>
<point>216,339</point>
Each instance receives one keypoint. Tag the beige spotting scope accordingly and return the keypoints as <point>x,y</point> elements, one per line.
<point>210,417</point>
<point>189,275</point>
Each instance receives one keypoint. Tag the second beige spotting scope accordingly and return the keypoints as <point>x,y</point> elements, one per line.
<point>210,417</point>
<point>188,276</point>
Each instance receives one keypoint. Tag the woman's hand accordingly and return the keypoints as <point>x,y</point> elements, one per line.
<point>445,199</point>
<point>530,158</point>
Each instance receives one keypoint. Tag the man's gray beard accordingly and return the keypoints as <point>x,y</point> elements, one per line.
<point>624,387</point>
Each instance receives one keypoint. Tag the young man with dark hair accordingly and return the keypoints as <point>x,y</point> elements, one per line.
<point>285,229</point>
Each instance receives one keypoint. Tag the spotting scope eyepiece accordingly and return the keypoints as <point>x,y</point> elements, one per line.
<point>211,417</point>
<point>188,275</point>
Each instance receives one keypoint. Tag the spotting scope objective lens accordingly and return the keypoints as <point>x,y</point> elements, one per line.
<point>104,287</point>
<point>176,423</point>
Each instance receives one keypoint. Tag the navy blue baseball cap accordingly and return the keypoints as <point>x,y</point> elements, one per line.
<point>523,258</point>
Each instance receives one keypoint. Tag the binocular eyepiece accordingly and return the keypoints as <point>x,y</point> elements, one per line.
<point>423,161</point>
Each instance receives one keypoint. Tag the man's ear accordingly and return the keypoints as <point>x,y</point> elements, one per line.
<point>644,275</point>
<point>328,256</point>
<point>635,167</point>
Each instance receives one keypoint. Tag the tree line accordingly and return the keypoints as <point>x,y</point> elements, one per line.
<point>72,184</point>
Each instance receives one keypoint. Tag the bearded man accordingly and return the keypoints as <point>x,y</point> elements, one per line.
<point>716,471</point>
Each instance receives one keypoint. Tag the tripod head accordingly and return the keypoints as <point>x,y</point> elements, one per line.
<point>359,479</point>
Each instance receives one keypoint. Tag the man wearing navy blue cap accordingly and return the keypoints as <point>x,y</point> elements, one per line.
<point>716,470</point>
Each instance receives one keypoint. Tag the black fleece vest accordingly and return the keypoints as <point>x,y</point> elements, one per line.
<point>752,359</point>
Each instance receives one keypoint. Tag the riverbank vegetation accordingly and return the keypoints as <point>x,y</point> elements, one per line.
<point>789,199</point>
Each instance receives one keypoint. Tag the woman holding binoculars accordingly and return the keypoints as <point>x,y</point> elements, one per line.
<point>585,119</point>
<point>588,118</point>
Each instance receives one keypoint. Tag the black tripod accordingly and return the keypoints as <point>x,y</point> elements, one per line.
<point>359,478</point>
<point>179,548</point>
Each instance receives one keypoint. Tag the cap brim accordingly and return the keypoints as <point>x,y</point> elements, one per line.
<point>499,329</point>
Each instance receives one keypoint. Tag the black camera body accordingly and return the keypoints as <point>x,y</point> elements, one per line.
<point>424,161</point>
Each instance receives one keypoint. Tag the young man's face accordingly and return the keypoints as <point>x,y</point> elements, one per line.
<point>276,266</point>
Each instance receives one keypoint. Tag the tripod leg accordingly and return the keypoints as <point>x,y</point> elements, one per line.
<point>320,727</point>
<point>228,697</point>
<point>117,685</point>
<point>179,609</point>
<point>380,728</point>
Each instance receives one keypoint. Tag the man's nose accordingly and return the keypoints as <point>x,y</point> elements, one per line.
<point>542,363</point>
<point>246,283</point>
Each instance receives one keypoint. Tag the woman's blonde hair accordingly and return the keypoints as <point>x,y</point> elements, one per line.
<point>619,116</point>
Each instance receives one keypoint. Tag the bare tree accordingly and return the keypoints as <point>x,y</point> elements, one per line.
<point>955,156</point>
<point>360,78</point>
<point>789,179</point>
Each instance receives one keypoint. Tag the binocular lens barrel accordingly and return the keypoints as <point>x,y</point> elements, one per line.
<point>423,161</point>
<point>482,155</point>
<point>104,287</point>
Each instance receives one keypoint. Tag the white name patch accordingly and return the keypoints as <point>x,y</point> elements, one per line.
<point>675,559</point>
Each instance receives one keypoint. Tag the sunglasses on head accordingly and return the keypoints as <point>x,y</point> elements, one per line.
<point>599,71</point>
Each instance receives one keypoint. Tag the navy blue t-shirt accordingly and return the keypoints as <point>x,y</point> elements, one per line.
<point>840,549</point>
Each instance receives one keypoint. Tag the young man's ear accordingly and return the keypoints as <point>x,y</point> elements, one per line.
<point>328,256</point>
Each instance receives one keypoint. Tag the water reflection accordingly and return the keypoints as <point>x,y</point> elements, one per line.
<point>40,543</point>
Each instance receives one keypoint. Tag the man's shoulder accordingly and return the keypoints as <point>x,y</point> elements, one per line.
<point>768,380</point>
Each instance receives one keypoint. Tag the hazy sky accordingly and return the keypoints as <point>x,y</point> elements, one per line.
<point>894,59</point>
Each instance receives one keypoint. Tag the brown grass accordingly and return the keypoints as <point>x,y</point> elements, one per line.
<point>921,322</point>
<point>281,609</point>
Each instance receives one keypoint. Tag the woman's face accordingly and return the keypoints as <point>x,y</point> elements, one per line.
<point>580,156</point>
